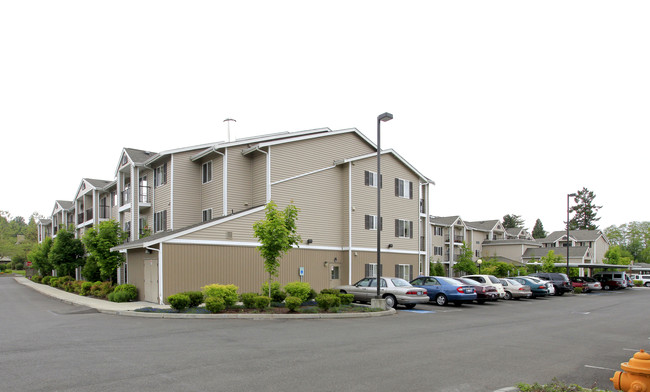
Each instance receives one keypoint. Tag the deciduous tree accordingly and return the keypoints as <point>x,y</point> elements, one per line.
<point>99,242</point>
<point>66,253</point>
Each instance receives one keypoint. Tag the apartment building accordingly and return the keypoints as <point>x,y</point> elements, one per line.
<point>63,215</point>
<point>189,212</point>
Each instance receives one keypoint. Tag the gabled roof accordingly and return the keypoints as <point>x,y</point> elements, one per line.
<point>64,204</point>
<point>574,252</point>
<point>134,156</point>
<point>487,225</point>
<point>391,152</point>
<point>93,183</point>
<point>444,220</point>
<point>577,235</point>
<point>44,221</point>
<point>163,154</point>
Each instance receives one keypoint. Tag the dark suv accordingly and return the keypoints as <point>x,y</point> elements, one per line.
<point>561,282</point>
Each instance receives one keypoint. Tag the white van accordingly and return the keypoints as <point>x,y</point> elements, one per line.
<point>643,278</point>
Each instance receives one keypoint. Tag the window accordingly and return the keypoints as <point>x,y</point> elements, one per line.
<point>127,228</point>
<point>404,271</point>
<point>371,270</point>
<point>160,175</point>
<point>371,222</point>
<point>206,172</point>
<point>477,253</point>
<point>437,250</point>
<point>335,272</point>
<point>403,188</point>
<point>160,221</point>
<point>207,215</point>
<point>438,231</point>
<point>142,225</point>
<point>370,179</point>
<point>403,228</point>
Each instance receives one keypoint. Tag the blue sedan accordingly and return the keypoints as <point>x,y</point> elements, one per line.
<point>443,290</point>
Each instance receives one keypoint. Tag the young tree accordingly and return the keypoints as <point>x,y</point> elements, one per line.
<point>617,255</point>
<point>512,221</point>
<point>278,233</point>
<point>39,256</point>
<point>436,269</point>
<point>585,211</point>
<point>66,253</point>
<point>548,262</point>
<point>465,262</point>
<point>99,242</point>
<point>538,230</point>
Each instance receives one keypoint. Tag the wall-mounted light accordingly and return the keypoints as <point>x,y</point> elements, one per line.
<point>324,263</point>
<point>336,260</point>
<point>309,241</point>
<point>390,246</point>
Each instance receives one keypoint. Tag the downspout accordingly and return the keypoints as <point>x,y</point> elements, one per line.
<point>160,275</point>
<point>224,175</point>
<point>268,172</point>
<point>350,223</point>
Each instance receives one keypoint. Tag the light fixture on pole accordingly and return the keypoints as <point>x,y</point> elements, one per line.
<point>381,118</point>
<point>568,243</point>
<point>479,262</point>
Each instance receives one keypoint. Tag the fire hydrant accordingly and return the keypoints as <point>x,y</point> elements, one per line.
<point>635,376</point>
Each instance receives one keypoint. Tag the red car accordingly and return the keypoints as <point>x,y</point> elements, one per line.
<point>483,293</point>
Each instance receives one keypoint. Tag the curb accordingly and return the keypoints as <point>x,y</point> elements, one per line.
<point>96,304</point>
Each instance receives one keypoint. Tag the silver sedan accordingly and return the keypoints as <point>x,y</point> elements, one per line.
<point>395,291</point>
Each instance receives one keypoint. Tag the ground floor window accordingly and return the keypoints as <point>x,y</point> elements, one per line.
<point>404,271</point>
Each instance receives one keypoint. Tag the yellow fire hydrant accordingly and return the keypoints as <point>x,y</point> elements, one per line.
<point>635,376</point>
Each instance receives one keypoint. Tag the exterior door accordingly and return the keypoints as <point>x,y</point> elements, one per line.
<point>151,280</point>
<point>335,276</point>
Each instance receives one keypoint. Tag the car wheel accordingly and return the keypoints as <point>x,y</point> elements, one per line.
<point>458,303</point>
<point>647,284</point>
<point>606,287</point>
<point>390,301</point>
<point>480,301</point>
<point>342,291</point>
<point>441,300</point>
<point>559,293</point>
<point>508,295</point>
<point>409,306</point>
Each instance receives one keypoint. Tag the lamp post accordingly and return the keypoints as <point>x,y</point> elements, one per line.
<point>567,231</point>
<point>381,118</point>
<point>479,262</point>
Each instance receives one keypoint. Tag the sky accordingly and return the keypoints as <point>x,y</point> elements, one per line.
<point>507,106</point>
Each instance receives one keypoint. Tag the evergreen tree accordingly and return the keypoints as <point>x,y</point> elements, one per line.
<point>67,253</point>
<point>585,211</point>
<point>538,230</point>
<point>511,221</point>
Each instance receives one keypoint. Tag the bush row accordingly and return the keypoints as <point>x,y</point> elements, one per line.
<point>105,290</point>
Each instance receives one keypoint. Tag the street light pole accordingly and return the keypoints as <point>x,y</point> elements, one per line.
<point>381,118</point>
<point>567,230</point>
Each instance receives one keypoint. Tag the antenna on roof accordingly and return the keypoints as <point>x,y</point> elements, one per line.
<point>229,120</point>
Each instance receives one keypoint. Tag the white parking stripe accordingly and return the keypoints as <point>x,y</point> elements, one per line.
<point>598,367</point>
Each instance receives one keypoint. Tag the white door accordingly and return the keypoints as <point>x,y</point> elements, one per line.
<point>151,281</point>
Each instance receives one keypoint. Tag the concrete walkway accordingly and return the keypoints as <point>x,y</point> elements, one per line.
<point>128,308</point>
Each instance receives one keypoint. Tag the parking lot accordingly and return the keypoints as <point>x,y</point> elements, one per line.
<point>576,338</point>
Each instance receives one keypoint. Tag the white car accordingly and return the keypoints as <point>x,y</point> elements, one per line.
<point>489,280</point>
<point>395,291</point>
<point>645,279</point>
<point>549,285</point>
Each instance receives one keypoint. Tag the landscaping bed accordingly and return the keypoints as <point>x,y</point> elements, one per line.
<point>307,308</point>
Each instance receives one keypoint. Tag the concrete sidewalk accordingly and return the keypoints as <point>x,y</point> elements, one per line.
<point>128,308</point>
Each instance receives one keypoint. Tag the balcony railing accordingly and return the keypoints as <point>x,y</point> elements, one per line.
<point>125,197</point>
<point>89,214</point>
<point>80,218</point>
<point>145,194</point>
<point>457,238</point>
<point>104,212</point>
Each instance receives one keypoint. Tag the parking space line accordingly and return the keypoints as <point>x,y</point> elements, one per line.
<point>418,311</point>
<point>601,368</point>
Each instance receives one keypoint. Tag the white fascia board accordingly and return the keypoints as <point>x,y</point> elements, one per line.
<point>119,162</point>
<point>298,138</point>
<point>396,155</point>
<point>181,149</point>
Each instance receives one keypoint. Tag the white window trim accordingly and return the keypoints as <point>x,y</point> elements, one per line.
<point>206,166</point>
<point>203,214</point>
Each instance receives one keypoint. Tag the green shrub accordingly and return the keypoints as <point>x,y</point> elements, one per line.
<point>85,288</point>
<point>248,299</point>
<point>196,298</point>
<point>331,291</point>
<point>227,292</point>
<point>638,283</point>
<point>277,295</point>
<point>262,302</point>
<point>293,303</point>
<point>37,278</point>
<point>312,294</point>
<point>75,286</point>
<point>131,292</point>
<point>178,301</point>
<point>298,289</point>
<point>46,280</point>
<point>120,296</point>
<point>346,299</point>
<point>328,301</point>
<point>215,304</point>
<point>101,289</point>
<point>54,282</point>
<point>577,290</point>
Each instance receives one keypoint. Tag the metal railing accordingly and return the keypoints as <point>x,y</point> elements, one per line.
<point>104,212</point>
<point>125,197</point>
<point>457,238</point>
<point>145,194</point>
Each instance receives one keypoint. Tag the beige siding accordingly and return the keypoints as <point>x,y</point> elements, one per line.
<point>187,195</point>
<point>321,205</point>
<point>239,180</point>
<point>314,154</point>
<point>212,192</point>
<point>237,230</point>
<point>364,202</point>
<point>162,195</point>
<point>388,262</point>
<point>189,267</point>
<point>258,177</point>
<point>135,269</point>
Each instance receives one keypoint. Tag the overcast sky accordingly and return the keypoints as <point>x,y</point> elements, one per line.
<point>506,105</point>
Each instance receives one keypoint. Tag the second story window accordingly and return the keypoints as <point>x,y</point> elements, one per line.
<point>160,175</point>
<point>206,172</point>
<point>438,231</point>
<point>370,179</point>
<point>403,188</point>
<point>160,221</point>
<point>207,215</point>
<point>371,222</point>
<point>403,228</point>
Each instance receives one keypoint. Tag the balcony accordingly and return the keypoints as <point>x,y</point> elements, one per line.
<point>125,197</point>
<point>80,218</point>
<point>89,214</point>
<point>457,238</point>
<point>104,212</point>
<point>144,196</point>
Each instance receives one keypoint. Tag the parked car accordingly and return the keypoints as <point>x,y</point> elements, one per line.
<point>443,290</point>
<point>561,282</point>
<point>592,283</point>
<point>537,288</point>
<point>489,280</point>
<point>483,291</point>
<point>395,291</point>
<point>586,283</point>
<point>629,281</point>
<point>611,280</point>
<point>645,279</point>
<point>515,290</point>
<point>549,285</point>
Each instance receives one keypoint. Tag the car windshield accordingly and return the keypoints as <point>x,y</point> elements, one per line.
<point>494,279</point>
<point>397,282</point>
